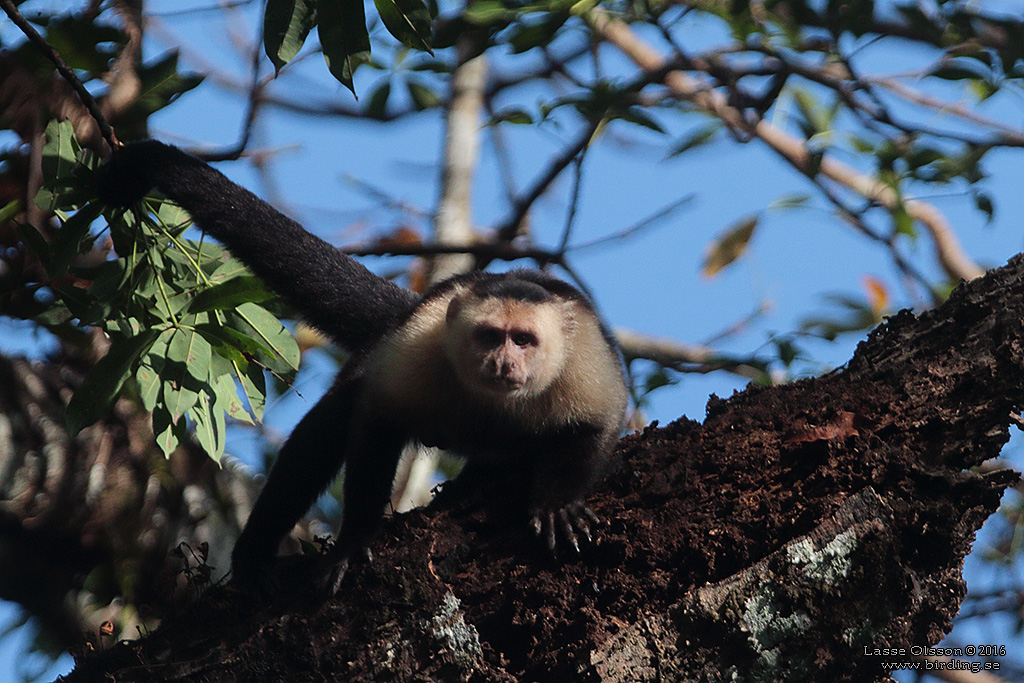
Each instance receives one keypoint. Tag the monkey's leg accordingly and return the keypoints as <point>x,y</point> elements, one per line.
<point>375,447</point>
<point>306,465</point>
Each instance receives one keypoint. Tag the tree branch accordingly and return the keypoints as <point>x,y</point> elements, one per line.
<point>62,67</point>
<point>949,252</point>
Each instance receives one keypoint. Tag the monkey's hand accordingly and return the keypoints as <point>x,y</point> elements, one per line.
<point>569,522</point>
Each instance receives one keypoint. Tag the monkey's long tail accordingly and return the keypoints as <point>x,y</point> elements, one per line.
<point>334,292</point>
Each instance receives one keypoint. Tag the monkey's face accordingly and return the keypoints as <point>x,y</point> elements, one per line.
<point>505,348</point>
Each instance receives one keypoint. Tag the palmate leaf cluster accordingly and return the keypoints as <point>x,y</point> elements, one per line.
<point>186,326</point>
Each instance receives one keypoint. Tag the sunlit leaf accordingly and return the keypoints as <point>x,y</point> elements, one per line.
<point>729,247</point>
<point>878,295</point>
<point>407,20</point>
<point>268,331</point>
<point>286,23</point>
<point>168,432</point>
<point>486,12</point>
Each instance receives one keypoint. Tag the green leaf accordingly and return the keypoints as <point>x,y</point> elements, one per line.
<point>254,384</point>
<point>902,222</point>
<point>61,188</point>
<point>10,210</point>
<point>209,427</point>
<point>788,351</point>
<point>149,385</point>
<point>230,343</point>
<point>985,205</point>
<point>167,430</point>
<point>83,43</point>
<point>67,244</point>
<point>286,23</point>
<point>641,118</point>
<point>729,247</point>
<point>227,399</point>
<point>791,201</point>
<point>34,240</point>
<point>515,116</point>
<point>60,153</point>
<point>102,385</point>
<point>407,20</point>
<point>422,96</point>
<point>485,12</point>
<point>230,294</point>
<point>193,350</point>
<point>694,139</point>
<point>162,84</point>
<point>177,398</point>
<point>960,69</point>
<point>343,37</point>
<point>527,36</point>
<point>269,331</point>
<point>377,106</point>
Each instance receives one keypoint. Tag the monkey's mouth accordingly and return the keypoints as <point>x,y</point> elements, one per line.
<point>502,383</point>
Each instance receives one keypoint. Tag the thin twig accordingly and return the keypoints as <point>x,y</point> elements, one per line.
<point>574,202</point>
<point>508,230</point>
<point>253,100</point>
<point>65,71</point>
<point>643,224</point>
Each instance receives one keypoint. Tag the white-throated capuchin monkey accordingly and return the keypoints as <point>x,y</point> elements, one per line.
<point>512,368</point>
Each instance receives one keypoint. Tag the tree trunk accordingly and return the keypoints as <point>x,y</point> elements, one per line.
<point>793,532</point>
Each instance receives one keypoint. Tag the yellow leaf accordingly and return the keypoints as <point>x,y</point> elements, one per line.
<point>729,247</point>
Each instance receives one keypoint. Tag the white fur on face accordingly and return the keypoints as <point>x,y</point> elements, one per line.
<point>506,347</point>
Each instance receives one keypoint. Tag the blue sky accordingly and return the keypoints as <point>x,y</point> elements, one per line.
<point>650,284</point>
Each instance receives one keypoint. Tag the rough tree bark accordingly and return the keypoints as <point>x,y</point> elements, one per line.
<point>795,526</point>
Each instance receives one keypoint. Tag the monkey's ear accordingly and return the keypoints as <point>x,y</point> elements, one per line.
<point>130,173</point>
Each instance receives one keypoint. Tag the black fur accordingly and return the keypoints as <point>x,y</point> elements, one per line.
<point>357,308</point>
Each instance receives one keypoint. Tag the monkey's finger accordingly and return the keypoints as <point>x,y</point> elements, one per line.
<point>567,529</point>
<point>335,577</point>
<point>551,539</point>
<point>536,525</point>
<point>580,522</point>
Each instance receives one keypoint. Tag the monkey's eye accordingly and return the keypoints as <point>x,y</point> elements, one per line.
<point>488,337</point>
<point>524,339</point>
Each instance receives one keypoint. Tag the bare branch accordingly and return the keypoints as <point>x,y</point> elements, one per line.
<point>949,252</point>
<point>686,357</point>
<point>65,71</point>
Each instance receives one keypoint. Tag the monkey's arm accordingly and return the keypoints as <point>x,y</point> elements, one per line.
<point>305,466</point>
<point>333,291</point>
<point>373,450</point>
<point>567,466</point>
